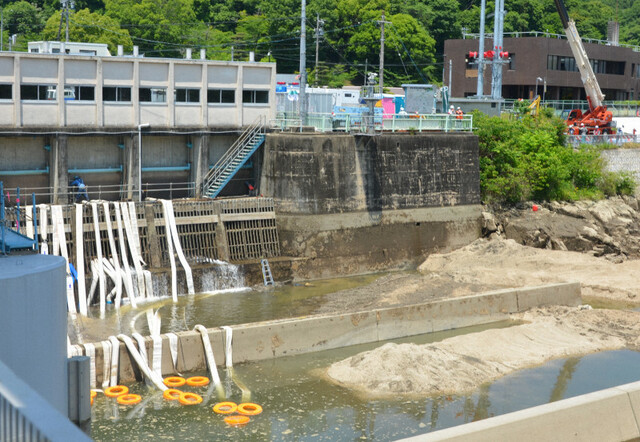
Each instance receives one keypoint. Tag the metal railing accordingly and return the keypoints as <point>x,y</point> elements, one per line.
<point>613,139</point>
<point>25,416</point>
<point>563,107</point>
<point>387,123</point>
<point>113,192</point>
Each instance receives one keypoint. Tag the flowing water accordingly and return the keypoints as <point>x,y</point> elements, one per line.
<point>300,405</point>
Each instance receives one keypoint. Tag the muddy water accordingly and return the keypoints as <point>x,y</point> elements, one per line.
<point>300,405</point>
<point>225,307</point>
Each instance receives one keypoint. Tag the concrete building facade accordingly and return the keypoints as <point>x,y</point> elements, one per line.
<point>123,92</point>
<point>548,59</point>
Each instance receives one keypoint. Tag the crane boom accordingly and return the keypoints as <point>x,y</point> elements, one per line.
<point>591,86</point>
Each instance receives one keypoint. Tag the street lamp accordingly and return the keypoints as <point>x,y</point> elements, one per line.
<point>140,127</point>
<point>537,80</point>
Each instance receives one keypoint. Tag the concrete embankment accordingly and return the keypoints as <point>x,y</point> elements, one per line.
<point>606,415</point>
<point>271,339</point>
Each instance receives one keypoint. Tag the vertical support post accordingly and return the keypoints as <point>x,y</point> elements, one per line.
<point>200,162</point>
<point>480,86</point>
<point>4,252</point>
<point>221,233</point>
<point>79,390</point>
<point>152,236</point>
<point>34,217</point>
<point>382,22</point>
<point>58,170</point>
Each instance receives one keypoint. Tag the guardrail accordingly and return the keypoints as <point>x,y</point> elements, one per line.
<point>27,416</point>
<point>614,139</point>
<point>382,123</point>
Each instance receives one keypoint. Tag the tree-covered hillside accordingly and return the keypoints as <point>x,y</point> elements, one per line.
<point>349,29</point>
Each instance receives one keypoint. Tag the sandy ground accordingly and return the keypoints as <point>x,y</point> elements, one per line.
<point>463,363</point>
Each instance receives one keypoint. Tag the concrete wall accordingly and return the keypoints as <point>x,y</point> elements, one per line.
<point>271,339</point>
<point>606,415</point>
<point>33,323</point>
<point>627,160</point>
<point>355,204</point>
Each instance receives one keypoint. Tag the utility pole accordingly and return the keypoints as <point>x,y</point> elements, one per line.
<point>303,65</point>
<point>382,22</point>
<point>319,33</point>
<point>231,53</point>
<point>1,28</point>
<point>450,70</point>
<point>496,84</point>
<point>480,87</point>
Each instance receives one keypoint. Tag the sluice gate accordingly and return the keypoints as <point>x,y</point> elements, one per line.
<point>229,230</point>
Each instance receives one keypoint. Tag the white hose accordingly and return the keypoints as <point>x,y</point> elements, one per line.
<point>208,353</point>
<point>141,363</point>
<point>114,254</point>
<point>101,280</point>
<point>142,348</point>
<point>172,258</point>
<point>170,224</point>
<point>44,248</point>
<point>106,363</point>
<point>173,348</point>
<point>82,290</point>
<point>60,244</point>
<point>90,351</point>
<point>115,357</point>
<point>228,337</point>
<point>134,247</point>
<point>125,261</point>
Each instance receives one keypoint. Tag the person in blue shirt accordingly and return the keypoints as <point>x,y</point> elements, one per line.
<point>79,189</point>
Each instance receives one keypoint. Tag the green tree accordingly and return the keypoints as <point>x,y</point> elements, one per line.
<point>23,18</point>
<point>89,27</point>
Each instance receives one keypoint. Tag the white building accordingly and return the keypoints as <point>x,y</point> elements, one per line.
<point>124,91</point>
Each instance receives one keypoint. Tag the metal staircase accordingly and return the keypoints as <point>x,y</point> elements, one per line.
<point>234,158</point>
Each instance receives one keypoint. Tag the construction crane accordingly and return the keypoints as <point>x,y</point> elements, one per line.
<point>597,115</point>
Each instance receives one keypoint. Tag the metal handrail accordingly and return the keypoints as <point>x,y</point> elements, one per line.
<point>256,128</point>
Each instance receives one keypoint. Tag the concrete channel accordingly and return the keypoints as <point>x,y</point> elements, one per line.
<point>272,339</point>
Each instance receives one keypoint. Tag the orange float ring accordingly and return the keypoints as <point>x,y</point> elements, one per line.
<point>197,381</point>
<point>93,394</point>
<point>116,390</point>
<point>190,399</point>
<point>174,381</point>
<point>237,421</point>
<point>249,409</point>
<point>171,394</point>
<point>129,399</point>
<point>225,407</point>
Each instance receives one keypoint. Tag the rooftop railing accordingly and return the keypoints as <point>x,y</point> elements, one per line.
<point>354,123</point>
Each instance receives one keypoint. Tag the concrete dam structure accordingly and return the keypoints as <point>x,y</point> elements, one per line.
<point>355,204</point>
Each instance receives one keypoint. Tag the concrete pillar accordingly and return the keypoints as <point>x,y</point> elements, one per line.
<point>17,99</point>
<point>171,98</point>
<point>221,234</point>
<point>199,162</point>
<point>152,236</point>
<point>58,167</point>
<point>130,166</point>
<point>239,103</point>
<point>79,390</point>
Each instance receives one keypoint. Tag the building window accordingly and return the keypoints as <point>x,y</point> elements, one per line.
<point>80,93</point>
<point>221,96</point>
<point>38,92</point>
<point>112,93</point>
<point>187,95</point>
<point>6,92</point>
<point>255,96</point>
<point>153,94</point>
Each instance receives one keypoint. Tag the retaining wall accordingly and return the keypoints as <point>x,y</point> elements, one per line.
<point>271,339</point>
<point>357,204</point>
<point>606,415</point>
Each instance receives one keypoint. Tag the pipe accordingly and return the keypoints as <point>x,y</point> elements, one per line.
<point>167,168</point>
<point>97,170</point>
<point>35,222</point>
<point>4,252</point>
<point>25,172</point>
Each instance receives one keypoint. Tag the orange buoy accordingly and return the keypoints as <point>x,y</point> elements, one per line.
<point>190,399</point>
<point>197,381</point>
<point>116,390</point>
<point>237,420</point>
<point>129,399</point>
<point>249,409</point>
<point>171,394</point>
<point>174,381</point>
<point>225,407</point>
